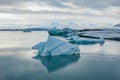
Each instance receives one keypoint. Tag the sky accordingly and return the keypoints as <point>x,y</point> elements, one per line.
<point>64,10</point>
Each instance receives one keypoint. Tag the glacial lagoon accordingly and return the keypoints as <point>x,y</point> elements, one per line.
<point>18,61</point>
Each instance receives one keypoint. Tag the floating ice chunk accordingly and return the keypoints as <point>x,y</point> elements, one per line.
<point>84,41</point>
<point>66,32</point>
<point>74,38</point>
<point>55,31</point>
<point>67,35</point>
<point>54,46</point>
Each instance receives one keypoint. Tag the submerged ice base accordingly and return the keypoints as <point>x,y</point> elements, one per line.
<point>54,46</point>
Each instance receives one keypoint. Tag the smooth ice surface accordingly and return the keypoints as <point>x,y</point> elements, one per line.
<point>54,46</point>
<point>66,49</point>
<point>39,45</point>
<point>51,44</point>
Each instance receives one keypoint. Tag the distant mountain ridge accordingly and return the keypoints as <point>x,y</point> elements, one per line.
<point>30,29</point>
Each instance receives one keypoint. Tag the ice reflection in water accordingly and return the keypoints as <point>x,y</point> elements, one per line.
<point>54,63</point>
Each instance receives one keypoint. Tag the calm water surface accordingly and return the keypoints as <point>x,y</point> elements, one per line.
<point>94,63</point>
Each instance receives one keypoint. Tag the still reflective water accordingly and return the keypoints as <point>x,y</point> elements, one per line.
<point>17,61</point>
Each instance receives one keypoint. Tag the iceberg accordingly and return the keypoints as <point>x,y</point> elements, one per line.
<point>37,46</point>
<point>54,46</point>
<point>66,32</point>
<point>85,41</point>
<point>56,32</point>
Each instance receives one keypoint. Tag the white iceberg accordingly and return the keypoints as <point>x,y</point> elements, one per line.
<point>54,46</point>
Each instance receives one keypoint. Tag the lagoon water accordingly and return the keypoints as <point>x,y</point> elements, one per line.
<point>17,60</point>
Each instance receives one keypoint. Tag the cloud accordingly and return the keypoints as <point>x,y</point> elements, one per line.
<point>110,8</point>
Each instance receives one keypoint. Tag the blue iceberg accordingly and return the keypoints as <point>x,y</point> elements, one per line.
<point>56,32</point>
<point>54,46</point>
<point>85,41</point>
<point>66,32</point>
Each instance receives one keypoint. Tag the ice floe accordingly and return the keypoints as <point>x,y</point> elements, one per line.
<point>54,46</point>
<point>66,32</point>
<point>85,41</point>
